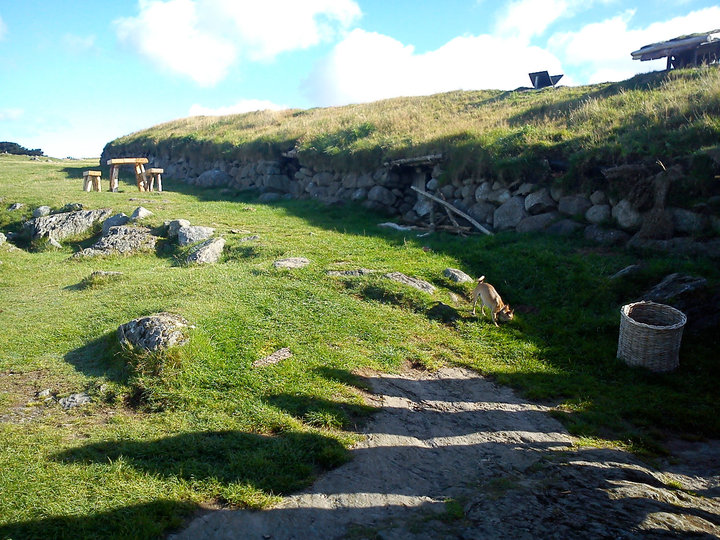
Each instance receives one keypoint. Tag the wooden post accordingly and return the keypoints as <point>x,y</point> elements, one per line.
<point>114,177</point>
<point>86,182</point>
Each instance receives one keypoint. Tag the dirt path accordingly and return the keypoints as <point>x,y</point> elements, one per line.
<point>509,467</point>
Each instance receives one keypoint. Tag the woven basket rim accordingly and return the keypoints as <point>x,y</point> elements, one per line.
<point>624,311</point>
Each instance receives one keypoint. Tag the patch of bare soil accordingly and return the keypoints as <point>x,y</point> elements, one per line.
<point>453,455</point>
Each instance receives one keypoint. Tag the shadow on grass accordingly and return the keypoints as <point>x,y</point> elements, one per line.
<point>100,358</point>
<point>274,464</point>
<point>146,521</point>
<point>322,412</point>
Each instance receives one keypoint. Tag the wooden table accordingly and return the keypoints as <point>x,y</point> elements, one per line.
<point>139,164</point>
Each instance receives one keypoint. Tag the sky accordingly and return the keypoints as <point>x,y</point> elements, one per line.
<point>75,75</point>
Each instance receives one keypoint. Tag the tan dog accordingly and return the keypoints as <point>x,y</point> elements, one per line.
<point>492,300</point>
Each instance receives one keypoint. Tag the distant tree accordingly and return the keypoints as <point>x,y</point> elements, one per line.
<point>15,148</point>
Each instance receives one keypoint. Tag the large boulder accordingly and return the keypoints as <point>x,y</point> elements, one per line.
<point>692,296</point>
<point>140,213</point>
<point>214,178</point>
<point>482,212</point>
<point>539,202</point>
<point>509,214</point>
<point>626,215</point>
<point>207,253</point>
<point>193,233</point>
<point>537,223</point>
<point>687,222</point>
<point>598,213</point>
<point>601,235</point>
<point>41,211</point>
<point>564,227</point>
<point>574,205</point>
<point>121,240</point>
<point>174,226</point>
<point>382,195</point>
<point>154,332</point>
<point>66,224</point>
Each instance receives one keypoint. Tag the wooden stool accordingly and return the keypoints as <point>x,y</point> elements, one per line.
<point>91,180</point>
<point>153,174</point>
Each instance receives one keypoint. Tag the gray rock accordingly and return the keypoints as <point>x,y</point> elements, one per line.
<point>278,182</point>
<point>291,262</point>
<point>598,197</point>
<point>423,207</point>
<point>509,214</point>
<point>458,276</point>
<point>626,216</point>
<point>525,188</point>
<point>41,211</point>
<point>121,240</point>
<point>628,270</point>
<point>687,222</point>
<point>324,179</point>
<point>606,236</point>
<point>482,212</point>
<point>71,207</point>
<point>416,283</point>
<point>114,221</point>
<point>539,202</point>
<point>75,400</point>
<point>207,253</point>
<point>382,195</point>
<point>214,178</point>
<point>54,243</point>
<point>140,213</point>
<point>365,181</point>
<point>3,238</point>
<point>657,224</point>
<point>154,332</point>
<point>175,225</point>
<point>499,196</point>
<point>432,184</point>
<point>537,223</point>
<point>564,227</point>
<point>556,192</point>
<point>574,205</point>
<point>15,206</point>
<point>599,213</point>
<point>359,194</point>
<point>350,273</point>
<point>692,296</point>
<point>448,191</point>
<point>193,233</point>
<point>63,225</point>
<point>249,238</point>
<point>482,192</point>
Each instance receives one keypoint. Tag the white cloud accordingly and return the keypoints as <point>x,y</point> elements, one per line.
<point>246,105</point>
<point>367,66</point>
<point>10,114</point>
<point>203,39</point>
<point>524,19</point>
<point>600,52</point>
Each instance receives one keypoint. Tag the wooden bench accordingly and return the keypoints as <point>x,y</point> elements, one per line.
<point>91,180</point>
<point>139,164</point>
<point>154,174</point>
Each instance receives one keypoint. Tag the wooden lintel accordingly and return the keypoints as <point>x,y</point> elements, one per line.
<point>126,161</point>
<point>420,160</point>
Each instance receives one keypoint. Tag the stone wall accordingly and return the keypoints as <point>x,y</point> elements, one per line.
<point>640,218</point>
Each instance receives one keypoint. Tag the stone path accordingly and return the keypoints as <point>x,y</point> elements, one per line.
<point>453,455</point>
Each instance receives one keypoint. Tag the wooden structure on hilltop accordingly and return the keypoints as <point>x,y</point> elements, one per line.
<point>684,51</point>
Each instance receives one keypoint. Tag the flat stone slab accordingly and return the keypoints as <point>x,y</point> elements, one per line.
<point>154,332</point>
<point>351,273</point>
<point>193,233</point>
<point>291,262</point>
<point>66,224</point>
<point>207,253</point>
<point>418,284</point>
<point>121,240</point>
<point>458,276</point>
<point>274,358</point>
<point>75,400</point>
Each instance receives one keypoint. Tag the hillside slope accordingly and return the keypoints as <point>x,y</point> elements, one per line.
<point>668,116</point>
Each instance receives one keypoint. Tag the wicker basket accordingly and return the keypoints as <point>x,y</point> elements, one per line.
<point>650,335</point>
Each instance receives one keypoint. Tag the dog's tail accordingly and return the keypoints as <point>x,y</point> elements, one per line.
<point>481,279</point>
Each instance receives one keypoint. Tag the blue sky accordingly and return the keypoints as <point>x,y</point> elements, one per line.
<point>77,74</point>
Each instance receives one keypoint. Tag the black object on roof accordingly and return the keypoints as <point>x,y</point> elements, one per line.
<point>542,79</point>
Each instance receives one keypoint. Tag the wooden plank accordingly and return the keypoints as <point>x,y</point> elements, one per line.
<point>126,161</point>
<point>451,207</point>
<point>92,173</point>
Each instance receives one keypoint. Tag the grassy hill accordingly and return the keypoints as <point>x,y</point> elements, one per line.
<point>668,116</point>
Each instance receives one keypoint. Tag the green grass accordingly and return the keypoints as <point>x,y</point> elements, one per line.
<point>202,427</point>
<point>667,116</point>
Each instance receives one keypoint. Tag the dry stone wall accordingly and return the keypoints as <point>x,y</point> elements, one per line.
<point>639,219</point>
